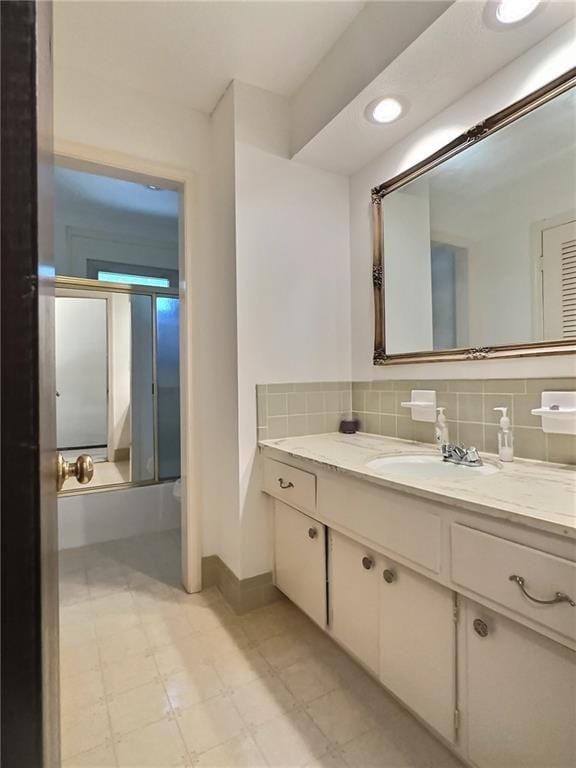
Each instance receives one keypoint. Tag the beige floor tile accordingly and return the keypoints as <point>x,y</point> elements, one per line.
<point>327,761</point>
<point>190,686</point>
<point>284,650</point>
<point>183,653</point>
<point>209,724</point>
<point>138,707</point>
<point>240,752</point>
<point>113,625</point>
<point>80,692</point>
<point>73,588</point>
<point>262,700</point>
<point>237,684</point>
<point>122,645</point>
<point>158,745</point>
<point>205,618</point>
<point>241,667</point>
<point>217,642</point>
<point>290,741</point>
<point>163,629</point>
<point>78,658</point>
<point>377,749</point>
<point>105,581</point>
<point>341,716</point>
<point>131,672</point>
<point>90,729</point>
<point>309,678</point>
<point>101,757</point>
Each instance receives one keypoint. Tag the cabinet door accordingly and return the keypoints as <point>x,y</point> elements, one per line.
<point>300,560</point>
<point>519,694</point>
<point>354,583</point>
<point>418,645</point>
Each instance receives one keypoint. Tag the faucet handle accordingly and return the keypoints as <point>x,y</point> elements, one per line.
<point>472,454</point>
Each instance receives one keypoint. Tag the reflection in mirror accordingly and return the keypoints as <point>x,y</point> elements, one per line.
<point>167,343</point>
<point>480,250</point>
<point>106,378</point>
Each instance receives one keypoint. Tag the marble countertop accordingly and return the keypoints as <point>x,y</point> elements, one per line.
<point>533,493</point>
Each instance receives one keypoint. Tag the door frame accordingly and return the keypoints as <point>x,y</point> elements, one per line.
<point>110,163</point>
<point>30,669</point>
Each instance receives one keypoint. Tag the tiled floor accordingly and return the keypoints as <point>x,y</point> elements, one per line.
<point>155,678</point>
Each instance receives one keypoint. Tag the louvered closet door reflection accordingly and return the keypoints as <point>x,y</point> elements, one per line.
<point>559,281</point>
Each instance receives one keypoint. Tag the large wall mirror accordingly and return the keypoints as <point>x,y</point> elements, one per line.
<point>475,247</point>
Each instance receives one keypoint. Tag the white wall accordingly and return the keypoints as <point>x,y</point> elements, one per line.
<point>81,371</point>
<point>117,233</point>
<point>292,271</point>
<point>539,65</point>
<point>408,277</point>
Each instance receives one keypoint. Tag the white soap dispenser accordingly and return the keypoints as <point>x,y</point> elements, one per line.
<point>505,437</point>
<point>441,429</point>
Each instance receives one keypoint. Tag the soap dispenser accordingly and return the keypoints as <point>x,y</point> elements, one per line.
<point>505,437</point>
<point>441,429</point>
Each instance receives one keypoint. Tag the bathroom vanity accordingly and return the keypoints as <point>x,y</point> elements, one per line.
<point>455,590</point>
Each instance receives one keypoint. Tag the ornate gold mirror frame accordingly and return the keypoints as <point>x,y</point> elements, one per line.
<point>472,136</point>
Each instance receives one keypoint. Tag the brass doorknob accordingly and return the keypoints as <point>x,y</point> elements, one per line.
<point>82,469</point>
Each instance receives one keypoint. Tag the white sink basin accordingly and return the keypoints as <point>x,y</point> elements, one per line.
<point>425,465</point>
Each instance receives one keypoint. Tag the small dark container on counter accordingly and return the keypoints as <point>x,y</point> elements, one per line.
<point>349,426</point>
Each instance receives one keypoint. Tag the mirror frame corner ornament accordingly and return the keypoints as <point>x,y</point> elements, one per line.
<point>471,136</point>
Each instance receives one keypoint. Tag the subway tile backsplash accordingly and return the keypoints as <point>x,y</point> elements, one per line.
<point>296,409</point>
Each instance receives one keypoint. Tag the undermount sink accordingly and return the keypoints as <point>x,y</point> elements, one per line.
<point>426,465</point>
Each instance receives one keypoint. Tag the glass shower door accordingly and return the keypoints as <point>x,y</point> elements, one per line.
<point>168,386</point>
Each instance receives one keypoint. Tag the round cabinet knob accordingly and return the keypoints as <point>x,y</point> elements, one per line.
<point>389,576</point>
<point>367,562</point>
<point>312,532</point>
<point>480,627</point>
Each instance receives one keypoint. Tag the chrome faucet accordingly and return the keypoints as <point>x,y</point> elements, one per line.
<point>457,454</point>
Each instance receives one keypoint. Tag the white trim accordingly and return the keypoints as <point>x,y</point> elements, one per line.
<point>82,157</point>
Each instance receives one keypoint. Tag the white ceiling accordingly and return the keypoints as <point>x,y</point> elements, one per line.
<point>190,51</point>
<point>76,188</point>
<point>451,57</point>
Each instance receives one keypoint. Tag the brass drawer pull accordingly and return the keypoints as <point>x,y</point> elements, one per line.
<point>284,485</point>
<point>559,597</point>
<point>312,532</point>
<point>368,562</point>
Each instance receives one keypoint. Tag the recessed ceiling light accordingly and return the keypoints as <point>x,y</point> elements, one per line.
<point>385,110</point>
<point>513,11</point>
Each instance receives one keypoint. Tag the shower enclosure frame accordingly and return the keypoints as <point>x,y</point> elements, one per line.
<point>124,166</point>
<point>78,284</point>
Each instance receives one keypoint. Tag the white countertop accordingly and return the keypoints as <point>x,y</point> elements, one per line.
<point>533,493</point>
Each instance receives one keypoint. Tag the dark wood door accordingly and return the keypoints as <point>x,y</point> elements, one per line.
<point>29,630</point>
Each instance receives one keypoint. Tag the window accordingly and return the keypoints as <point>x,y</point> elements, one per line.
<point>121,277</point>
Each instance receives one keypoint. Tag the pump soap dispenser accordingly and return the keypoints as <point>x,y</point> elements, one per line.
<point>441,429</point>
<point>505,437</point>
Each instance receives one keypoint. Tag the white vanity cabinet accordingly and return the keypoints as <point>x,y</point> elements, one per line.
<point>467,619</point>
<point>354,581</point>
<point>518,692</point>
<point>300,560</point>
<point>418,645</point>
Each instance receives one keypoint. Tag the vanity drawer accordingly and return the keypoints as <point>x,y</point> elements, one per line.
<point>292,486</point>
<point>484,564</point>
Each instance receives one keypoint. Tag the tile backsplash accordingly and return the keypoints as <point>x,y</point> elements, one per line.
<point>297,409</point>
<point>285,410</point>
